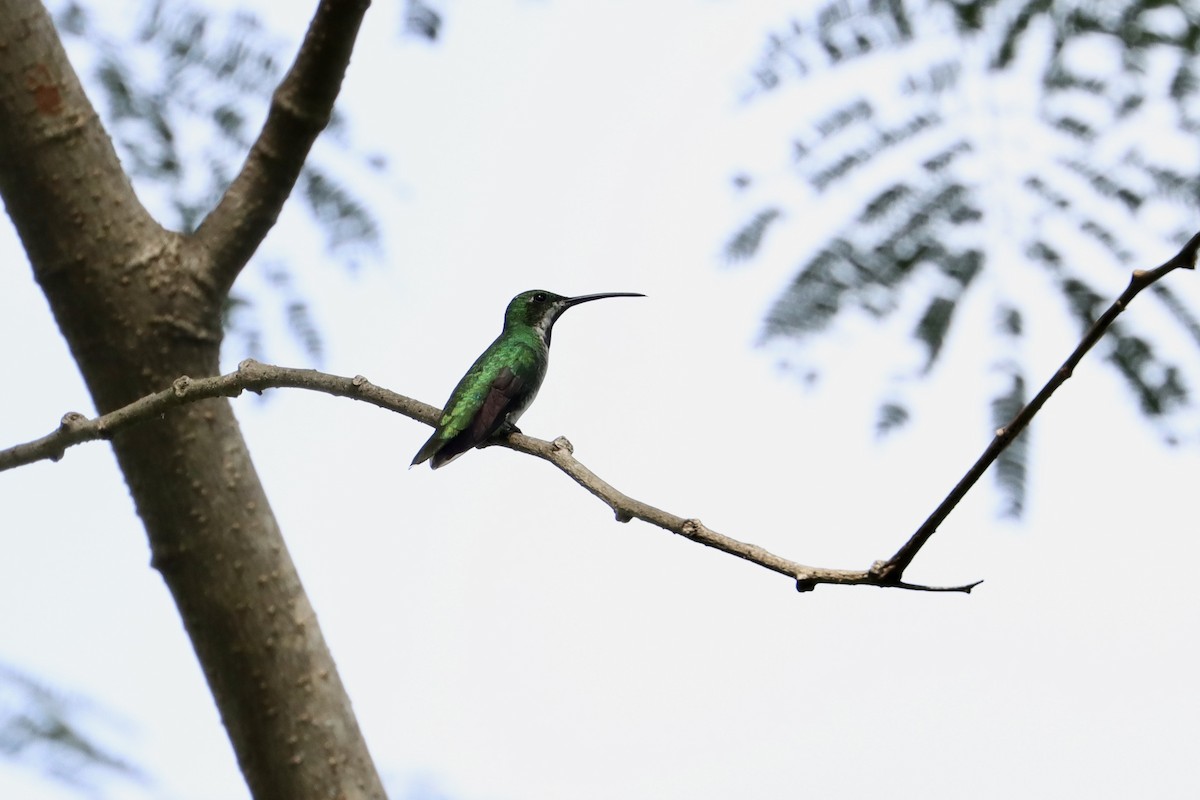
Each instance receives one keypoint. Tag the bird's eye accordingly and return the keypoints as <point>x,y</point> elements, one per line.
<point>540,297</point>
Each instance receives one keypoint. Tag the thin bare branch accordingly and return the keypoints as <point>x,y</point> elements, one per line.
<point>75,428</point>
<point>894,567</point>
<point>560,454</point>
<point>300,110</point>
<point>256,377</point>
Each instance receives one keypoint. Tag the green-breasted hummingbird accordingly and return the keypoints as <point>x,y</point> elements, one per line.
<point>503,381</point>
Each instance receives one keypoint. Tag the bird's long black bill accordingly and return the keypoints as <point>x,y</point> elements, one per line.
<point>586,298</point>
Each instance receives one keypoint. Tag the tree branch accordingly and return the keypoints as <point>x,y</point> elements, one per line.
<point>300,110</point>
<point>76,428</point>
<point>256,377</point>
<point>894,567</point>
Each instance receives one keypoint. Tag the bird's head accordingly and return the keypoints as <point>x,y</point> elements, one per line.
<point>539,309</point>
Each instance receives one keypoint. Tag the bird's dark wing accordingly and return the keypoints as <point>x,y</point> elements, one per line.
<point>502,396</point>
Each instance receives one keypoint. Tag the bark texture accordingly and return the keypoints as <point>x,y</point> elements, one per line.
<point>140,306</point>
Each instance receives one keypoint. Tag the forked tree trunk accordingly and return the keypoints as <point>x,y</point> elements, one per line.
<point>140,306</point>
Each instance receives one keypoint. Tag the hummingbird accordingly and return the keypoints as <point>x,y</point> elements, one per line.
<point>503,381</point>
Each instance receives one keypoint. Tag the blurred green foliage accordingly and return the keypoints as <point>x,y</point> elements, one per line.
<point>1002,147</point>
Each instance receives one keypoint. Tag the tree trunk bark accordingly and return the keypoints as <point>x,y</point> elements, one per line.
<point>139,307</point>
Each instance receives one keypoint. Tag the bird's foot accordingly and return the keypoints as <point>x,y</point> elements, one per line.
<point>501,434</point>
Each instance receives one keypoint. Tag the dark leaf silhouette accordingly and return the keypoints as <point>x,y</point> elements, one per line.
<point>54,733</point>
<point>422,20</point>
<point>892,415</point>
<point>1012,464</point>
<point>1079,174</point>
<point>746,242</point>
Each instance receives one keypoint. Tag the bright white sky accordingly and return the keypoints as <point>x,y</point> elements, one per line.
<point>501,637</point>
